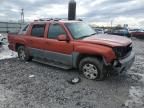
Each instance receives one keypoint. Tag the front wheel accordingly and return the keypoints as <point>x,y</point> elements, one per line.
<point>23,54</point>
<point>92,68</point>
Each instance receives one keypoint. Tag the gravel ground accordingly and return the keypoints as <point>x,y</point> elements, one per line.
<point>34,85</point>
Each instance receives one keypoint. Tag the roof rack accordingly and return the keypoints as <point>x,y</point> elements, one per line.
<point>55,19</point>
<point>45,19</point>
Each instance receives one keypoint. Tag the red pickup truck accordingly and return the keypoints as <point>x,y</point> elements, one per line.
<point>73,44</point>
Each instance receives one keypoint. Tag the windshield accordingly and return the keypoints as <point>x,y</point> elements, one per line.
<point>80,30</point>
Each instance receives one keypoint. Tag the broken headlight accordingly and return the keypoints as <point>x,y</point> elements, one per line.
<point>122,51</point>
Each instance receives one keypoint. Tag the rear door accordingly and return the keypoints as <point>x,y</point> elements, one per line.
<point>36,40</point>
<point>59,51</point>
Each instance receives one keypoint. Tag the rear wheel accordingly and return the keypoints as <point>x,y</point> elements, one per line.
<point>23,54</point>
<point>92,68</point>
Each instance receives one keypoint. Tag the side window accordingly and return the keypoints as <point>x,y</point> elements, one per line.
<point>55,30</point>
<point>38,30</point>
<point>25,28</point>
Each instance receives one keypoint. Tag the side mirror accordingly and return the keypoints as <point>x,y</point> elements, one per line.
<point>62,38</point>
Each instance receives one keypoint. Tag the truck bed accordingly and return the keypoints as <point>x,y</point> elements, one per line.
<point>13,39</point>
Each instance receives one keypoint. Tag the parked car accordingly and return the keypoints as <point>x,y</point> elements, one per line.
<point>73,44</point>
<point>1,45</point>
<point>99,30</point>
<point>139,34</point>
<point>133,30</point>
<point>3,38</point>
<point>120,32</point>
<point>106,30</point>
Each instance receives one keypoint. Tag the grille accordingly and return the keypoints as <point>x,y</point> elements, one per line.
<point>121,52</point>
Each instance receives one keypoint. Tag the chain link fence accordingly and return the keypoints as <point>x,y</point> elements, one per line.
<point>13,27</point>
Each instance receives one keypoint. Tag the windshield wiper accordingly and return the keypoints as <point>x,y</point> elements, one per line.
<point>93,33</point>
<point>86,36</point>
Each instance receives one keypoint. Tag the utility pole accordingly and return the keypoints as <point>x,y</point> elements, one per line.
<point>22,15</point>
<point>111,25</point>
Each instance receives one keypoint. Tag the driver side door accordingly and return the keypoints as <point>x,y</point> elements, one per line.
<point>58,51</point>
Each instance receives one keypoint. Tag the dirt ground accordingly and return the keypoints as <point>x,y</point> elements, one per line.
<point>34,85</point>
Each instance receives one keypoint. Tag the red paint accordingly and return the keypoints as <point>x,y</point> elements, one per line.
<point>95,45</point>
<point>138,34</point>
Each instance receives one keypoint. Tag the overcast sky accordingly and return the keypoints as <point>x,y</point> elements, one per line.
<point>101,12</point>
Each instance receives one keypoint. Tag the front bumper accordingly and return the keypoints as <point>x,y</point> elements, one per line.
<point>123,64</point>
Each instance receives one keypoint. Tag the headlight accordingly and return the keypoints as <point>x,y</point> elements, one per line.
<point>121,52</point>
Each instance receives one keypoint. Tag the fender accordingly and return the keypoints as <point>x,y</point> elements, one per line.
<point>96,50</point>
<point>20,40</point>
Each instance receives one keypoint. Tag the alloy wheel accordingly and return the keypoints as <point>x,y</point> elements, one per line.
<point>90,71</point>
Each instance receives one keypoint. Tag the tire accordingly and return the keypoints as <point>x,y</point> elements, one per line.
<point>92,69</point>
<point>23,54</point>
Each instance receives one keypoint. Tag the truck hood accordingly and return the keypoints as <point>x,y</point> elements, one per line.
<point>108,40</point>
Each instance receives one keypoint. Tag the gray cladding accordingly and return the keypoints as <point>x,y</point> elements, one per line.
<point>52,56</point>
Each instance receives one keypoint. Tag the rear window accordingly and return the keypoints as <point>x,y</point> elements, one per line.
<point>38,30</point>
<point>25,28</point>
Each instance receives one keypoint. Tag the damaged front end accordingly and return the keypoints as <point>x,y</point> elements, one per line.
<point>125,58</point>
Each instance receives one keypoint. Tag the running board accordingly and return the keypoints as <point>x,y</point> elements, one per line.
<point>55,64</point>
